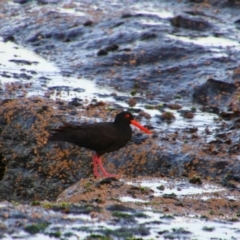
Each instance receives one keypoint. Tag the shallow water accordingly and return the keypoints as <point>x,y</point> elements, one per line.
<point>179,188</point>
<point>161,225</point>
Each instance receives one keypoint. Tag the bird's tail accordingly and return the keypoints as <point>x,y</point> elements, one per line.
<point>55,136</point>
<point>61,133</point>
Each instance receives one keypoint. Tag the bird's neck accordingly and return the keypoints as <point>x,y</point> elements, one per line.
<point>123,128</point>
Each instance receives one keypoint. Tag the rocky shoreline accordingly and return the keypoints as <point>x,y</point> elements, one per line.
<point>171,62</point>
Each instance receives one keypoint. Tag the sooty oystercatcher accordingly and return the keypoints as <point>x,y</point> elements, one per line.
<point>101,137</point>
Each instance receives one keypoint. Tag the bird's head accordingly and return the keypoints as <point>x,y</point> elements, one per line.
<point>127,118</point>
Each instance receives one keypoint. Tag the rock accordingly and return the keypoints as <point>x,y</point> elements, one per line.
<point>214,93</point>
<point>102,52</point>
<point>112,48</point>
<point>21,1</point>
<point>30,167</point>
<point>48,1</point>
<point>196,24</point>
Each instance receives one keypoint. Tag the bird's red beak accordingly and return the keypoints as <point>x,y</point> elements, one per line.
<point>137,124</point>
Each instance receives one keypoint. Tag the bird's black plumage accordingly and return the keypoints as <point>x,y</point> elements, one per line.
<point>101,137</point>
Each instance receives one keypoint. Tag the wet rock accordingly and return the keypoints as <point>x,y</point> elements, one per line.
<point>9,38</point>
<point>112,47</point>
<point>174,106</point>
<point>132,102</point>
<point>35,169</point>
<point>88,23</point>
<point>92,191</point>
<point>234,149</point>
<point>120,98</point>
<point>214,93</point>
<point>35,38</point>
<point>45,79</point>
<point>60,88</point>
<point>106,181</point>
<point>25,76</point>
<point>5,75</point>
<point>36,228</point>
<point>74,34</point>
<point>127,15</point>
<point>237,21</point>
<point>190,23</point>
<point>31,171</point>
<point>167,116</point>
<point>95,104</point>
<point>32,72</point>
<point>123,218</point>
<point>146,55</point>
<point>102,52</point>
<point>149,61</point>
<point>161,187</point>
<point>197,1</point>
<point>170,196</point>
<point>21,1</point>
<point>195,180</point>
<point>20,61</point>
<point>76,102</point>
<point>219,3</point>
<point>230,114</point>
<point>127,32</point>
<point>148,35</point>
<point>157,49</point>
<point>139,138</point>
<point>78,90</point>
<point>74,208</point>
<point>120,208</point>
<point>187,114</point>
<point>145,115</point>
<point>134,191</point>
<point>48,1</point>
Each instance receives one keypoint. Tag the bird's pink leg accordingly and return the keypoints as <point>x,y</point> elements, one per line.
<point>99,163</point>
<point>95,166</point>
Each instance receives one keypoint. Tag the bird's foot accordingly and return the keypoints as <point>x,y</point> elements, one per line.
<point>96,173</point>
<point>97,163</point>
<point>109,175</point>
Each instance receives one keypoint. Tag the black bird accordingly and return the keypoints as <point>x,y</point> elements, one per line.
<point>101,137</point>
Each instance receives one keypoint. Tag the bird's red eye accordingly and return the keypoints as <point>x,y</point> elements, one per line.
<point>127,116</point>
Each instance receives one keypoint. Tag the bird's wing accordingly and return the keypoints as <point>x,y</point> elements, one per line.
<point>92,136</point>
<point>97,137</point>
